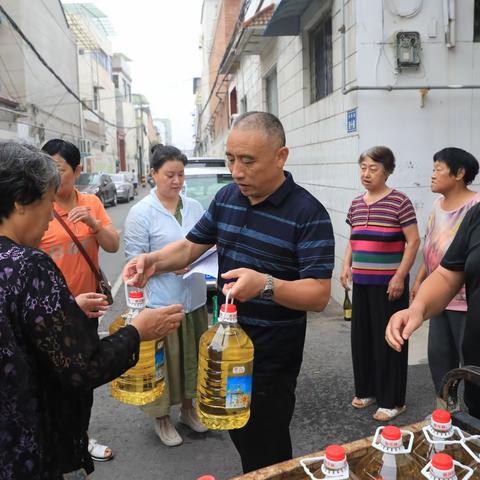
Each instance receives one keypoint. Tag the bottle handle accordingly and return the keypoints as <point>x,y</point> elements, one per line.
<point>443,437</point>
<point>464,441</point>
<point>227,297</point>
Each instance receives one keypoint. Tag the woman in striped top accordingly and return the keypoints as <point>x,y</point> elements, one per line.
<point>383,244</point>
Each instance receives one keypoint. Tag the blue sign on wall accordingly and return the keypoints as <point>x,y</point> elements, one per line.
<point>352,120</point>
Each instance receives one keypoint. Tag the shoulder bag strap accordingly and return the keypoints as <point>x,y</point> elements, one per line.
<point>79,245</point>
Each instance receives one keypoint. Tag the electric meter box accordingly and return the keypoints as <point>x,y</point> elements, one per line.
<point>407,49</point>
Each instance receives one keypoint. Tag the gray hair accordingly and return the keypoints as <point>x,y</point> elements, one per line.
<point>264,121</point>
<point>26,173</point>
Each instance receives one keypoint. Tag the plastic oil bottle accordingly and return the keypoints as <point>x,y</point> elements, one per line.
<point>225,364</point>
<point>144,382</point>
<point>389,458</point>
<point>334,465</point>
<point>440,437</point>
<point>442,466</point>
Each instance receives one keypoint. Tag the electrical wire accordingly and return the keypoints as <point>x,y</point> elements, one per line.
<point>54,73</point>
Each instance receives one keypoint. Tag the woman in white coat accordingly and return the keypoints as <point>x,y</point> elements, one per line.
<point>161,218</point>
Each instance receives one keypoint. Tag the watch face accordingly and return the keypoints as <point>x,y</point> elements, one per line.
<point>267,294</point>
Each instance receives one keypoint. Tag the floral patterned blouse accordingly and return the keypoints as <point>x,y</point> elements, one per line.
<point>51,359</point>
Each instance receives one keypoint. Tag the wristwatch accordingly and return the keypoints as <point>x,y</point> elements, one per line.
<point>267,292</point>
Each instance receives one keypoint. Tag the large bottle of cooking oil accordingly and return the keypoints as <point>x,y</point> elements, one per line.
<point>389,459</point>
<point>334,465</point>
<point>225,364</point>
<point>144,382</point>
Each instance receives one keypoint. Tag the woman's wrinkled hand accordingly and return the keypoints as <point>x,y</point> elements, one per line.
<point>396,286</point>
<point>414,291</point>
<point>94,305</point>
<point>346,277</point>
<point>156,323</point>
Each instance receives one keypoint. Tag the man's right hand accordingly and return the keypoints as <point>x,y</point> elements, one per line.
<point>138,270</point>
<point>156,323</point>
<point>401,326</point>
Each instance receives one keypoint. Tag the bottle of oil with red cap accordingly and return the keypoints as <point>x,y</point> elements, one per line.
<point>390,457</point>
<point>443,467</point>
<point>334,465</point>
<point>225,365</point>
<point>440,437</point>
<point>144,382</point>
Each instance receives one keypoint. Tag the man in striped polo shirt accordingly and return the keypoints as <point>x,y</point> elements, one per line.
<point>276,252</point>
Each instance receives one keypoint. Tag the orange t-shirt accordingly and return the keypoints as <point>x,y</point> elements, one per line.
<point>60,246</point>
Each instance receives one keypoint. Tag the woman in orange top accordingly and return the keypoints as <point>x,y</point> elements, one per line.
<point>87,219</point>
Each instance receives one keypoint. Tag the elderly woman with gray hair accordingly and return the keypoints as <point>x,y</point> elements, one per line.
<point>51,357</point>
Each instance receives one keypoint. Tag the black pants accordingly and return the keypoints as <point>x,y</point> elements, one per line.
<point>265,439</point>
<point>378,370</point>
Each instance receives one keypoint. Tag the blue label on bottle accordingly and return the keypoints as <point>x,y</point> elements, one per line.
<point>239,392</point>
<point>159,361</point>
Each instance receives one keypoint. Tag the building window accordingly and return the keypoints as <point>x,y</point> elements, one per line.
<point>476,22</point>
<point>321,59</point>
<point>125,90</point>
<point>243,104</point>
<point>272,93</point>
<point>96,99</point>
<point>115,80</point>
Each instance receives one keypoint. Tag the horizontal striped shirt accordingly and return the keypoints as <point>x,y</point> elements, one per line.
<point>289,236</point>
<point>377,238</point>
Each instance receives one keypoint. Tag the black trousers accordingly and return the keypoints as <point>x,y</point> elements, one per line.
<point>265,439</point>
<point>378,370</point>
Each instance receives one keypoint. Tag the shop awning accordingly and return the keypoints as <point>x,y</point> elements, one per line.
<point>286,18</point>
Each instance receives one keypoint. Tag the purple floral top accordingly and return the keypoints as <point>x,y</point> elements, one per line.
<point>51,359</point>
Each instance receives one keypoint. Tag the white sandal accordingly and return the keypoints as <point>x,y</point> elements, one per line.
<point>387,414</point>
<point>98,452</point>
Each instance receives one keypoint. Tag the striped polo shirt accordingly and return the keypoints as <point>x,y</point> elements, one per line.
<point>288,235</point>
<point>377,238</point>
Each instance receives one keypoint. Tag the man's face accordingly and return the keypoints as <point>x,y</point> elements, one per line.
<point>256,162</point>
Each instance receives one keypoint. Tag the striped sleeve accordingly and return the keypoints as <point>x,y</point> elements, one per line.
<point>315,246</point>
<point>205,230</point>
<point>406,213</point>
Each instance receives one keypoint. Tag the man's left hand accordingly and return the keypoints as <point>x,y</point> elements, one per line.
<point>248,284</point>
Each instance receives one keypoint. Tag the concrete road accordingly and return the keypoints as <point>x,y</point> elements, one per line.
<point>323,413</point>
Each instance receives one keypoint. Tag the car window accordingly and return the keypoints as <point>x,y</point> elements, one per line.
<point>88,179</point>
<point>204,187</point>
<point>119,177</point>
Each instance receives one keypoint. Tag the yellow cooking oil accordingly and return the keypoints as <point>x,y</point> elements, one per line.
<point>144,382</point>
<point>225,364</point>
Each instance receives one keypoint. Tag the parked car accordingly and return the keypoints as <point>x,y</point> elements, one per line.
<point>124,186</point>
<point>202,183</point>
<point>205,162</point>
<point>100,184</point>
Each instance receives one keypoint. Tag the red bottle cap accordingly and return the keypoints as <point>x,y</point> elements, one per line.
<point>135,294</point>
<point>441,416</point>
<point>335,453</point>
<point>206,477</point>
<point>390,432</point>
<point>442,461</point>
<point>228,308</point>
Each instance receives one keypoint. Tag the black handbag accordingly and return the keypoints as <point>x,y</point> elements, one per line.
<point>103,285</point>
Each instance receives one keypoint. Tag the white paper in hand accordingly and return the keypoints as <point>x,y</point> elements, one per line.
<point>207,264</point>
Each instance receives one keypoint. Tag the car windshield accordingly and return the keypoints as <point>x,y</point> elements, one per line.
<point>118,177</point>
<point>88,179</point>
<point>204,187</point>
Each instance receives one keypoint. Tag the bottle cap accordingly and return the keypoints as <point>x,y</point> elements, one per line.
<point>441,420</point>
<point>206,477</point>
<point>135,294</point>
<point>228,308</point>
<point>442,466</point>
<point>335,453</point>
<point>390,432</point>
